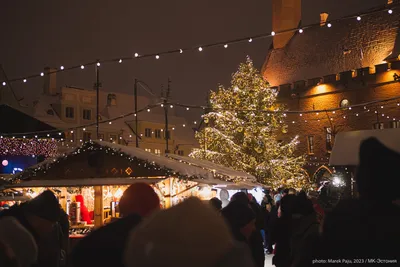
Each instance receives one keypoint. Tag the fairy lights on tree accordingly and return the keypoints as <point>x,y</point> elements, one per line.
<point>246,140</point>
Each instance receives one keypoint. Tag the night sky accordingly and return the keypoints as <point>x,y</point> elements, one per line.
<point>35,34</point>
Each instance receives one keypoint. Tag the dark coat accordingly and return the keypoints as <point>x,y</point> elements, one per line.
<point>105,246</point>
<point>280,236</point>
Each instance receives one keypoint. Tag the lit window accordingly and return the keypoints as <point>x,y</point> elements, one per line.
<point>344,103</point>
<point>379,125</point>
<point>157,133</point>
<point>395,124</point>
<point>87,114</point>
<point>157,151</point>
<point>87,136</point>
<point>180,153</point>
<point>147,132</point>
<point>147,150</point>
<point>69,112</point>
<point>328,132</point>
<point>310,144</point>
<point>111,100</point>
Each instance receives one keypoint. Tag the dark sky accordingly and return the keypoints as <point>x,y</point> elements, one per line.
<point>51,33</point>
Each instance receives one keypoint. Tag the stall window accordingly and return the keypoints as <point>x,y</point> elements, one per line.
<point>158,133</point>
<point>310,144</point>
<point>87,114</point>
<point>69,112</point>
<point>147,150</point>
<point>147,132</point>
<point>157,151</point>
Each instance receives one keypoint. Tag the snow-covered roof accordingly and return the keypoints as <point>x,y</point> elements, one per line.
<point>345,151</point>
<point>210,166</point>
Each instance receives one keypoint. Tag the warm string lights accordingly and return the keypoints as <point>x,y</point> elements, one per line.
<point>223,44</point>
<point>26,147</point>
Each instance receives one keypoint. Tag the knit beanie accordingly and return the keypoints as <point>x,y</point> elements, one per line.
<point>139,198</point>
<point>377,174</point>
<point>19,240</point>
<point>188,234</point>
<point>238,214</point>
<point>45,206</point>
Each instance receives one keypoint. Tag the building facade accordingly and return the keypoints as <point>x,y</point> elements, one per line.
<point>74,110</point>
<point>351,65</point>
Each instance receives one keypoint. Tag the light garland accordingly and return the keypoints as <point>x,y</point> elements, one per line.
<point>223,44</point>
<point>28,147</point>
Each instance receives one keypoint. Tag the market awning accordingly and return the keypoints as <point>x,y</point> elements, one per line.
<point>345,151</point>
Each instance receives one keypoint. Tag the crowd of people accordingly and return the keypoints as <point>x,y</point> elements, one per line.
<point>288,224</point>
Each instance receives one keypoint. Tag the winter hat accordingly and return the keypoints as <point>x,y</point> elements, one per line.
<point>19,240</point>
<point>45,206</point>
<point>188,234</point>
<point>241,196</point>
<point>139,198</point>
<point>377,171</point>
<point>238,214</point>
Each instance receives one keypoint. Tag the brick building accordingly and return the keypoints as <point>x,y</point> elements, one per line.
<point>335,66</point>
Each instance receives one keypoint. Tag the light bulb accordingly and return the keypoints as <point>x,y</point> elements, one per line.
<point>4,83</point>
<point>301,114</point>
<point>301,31</point>
<point>24,80</point>
<point>98,64</point>
<point>82,67</point>
<point>250,40</point>
<point>157,56</point>
<point>358,18</point>
<point>226,45</point>
<point>110,122</point>
<point>62,68</point>
<point>120,61</point>
<point>42,74</point>
<point>180,51</point>
<point>390,11</point>
<point>148,110</point>
<point>136,54</point>
<point>84,129</point>
<point>171,106</point>
<point>200,49</point>
<point>273,33</point>
<point>187,108</point>
<point>72,131</point>
<point>184,125</point>
<point>329,25</point>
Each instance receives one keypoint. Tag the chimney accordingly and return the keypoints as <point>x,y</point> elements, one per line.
<point>286,15</point>
<point>50,81</point>
<point>324,18</point>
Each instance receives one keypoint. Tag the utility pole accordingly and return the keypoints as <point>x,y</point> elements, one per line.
<point>97,85</point>
<point>167,133</point>
<point>136,113</point>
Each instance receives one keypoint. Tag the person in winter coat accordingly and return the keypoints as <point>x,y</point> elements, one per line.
<point>255,241</point>
<point>282,231</point>
<point>40,216</point>
<point>188,234</point>
<point>105,246</point>
<point>216,203</point>
<point>367,227</point>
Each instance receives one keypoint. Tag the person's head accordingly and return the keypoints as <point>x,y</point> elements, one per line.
<point>240,217</point>
<point>216,203</point>
<point>139,198</point>
<point>19,241</point>
<point>302,205</point>
<point>43,212</point>
<point>377,168</point>
<point>291,191</point>
<point>286,206</point>
<point>188,234</point>
<point>241,197</point>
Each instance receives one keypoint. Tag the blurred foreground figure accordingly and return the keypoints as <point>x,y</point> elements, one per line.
<point>105,246</point>
<point>188,234</point>
<point>367,227</point>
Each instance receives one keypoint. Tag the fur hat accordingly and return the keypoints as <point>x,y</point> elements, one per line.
<point>19,240</point>
<point>139,198</point>
<point>188,234</point>
<point>377,174</point>
<point>45,206</point>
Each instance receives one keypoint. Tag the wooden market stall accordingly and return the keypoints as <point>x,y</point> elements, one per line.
<point>99,172</point>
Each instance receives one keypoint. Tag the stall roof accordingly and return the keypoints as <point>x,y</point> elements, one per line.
<point>213,167</point>
<point>345,151</point>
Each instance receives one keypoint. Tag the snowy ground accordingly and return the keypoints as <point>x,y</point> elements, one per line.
<point>268,261</point>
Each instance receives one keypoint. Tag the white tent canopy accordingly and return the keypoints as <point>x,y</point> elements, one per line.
<point>345,151</point>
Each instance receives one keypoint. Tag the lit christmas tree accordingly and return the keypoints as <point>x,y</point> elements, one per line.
<point>241,131</point>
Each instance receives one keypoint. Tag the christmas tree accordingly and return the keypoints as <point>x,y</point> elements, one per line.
<point>241,129</point>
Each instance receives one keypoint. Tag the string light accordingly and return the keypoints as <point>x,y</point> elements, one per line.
<point>157,56</point>
<point>226,45</point>
<point>82,67</point>
<point>200,49</point>
<point>301,31</point>
<point>42,74</point>
<point>98,64</point>
<point>390,11</point>
<point>273,33</point>
<point>120,61</point>
<point>110,122</point>
<point>171,106</point>
<point>4,83</point>
<point>250,40</point>
<point>148,110</point>
<point>24,80</point>
<point>358,18</point>
<point>136,55</point>
<point>180,51</point>
<point>329,25</point>
<point>62,68</point>
<point>187,108</point>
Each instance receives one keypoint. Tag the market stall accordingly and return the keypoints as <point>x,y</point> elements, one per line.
<point>93,178</point>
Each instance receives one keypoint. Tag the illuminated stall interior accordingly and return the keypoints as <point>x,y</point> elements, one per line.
<point>90,180</point>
